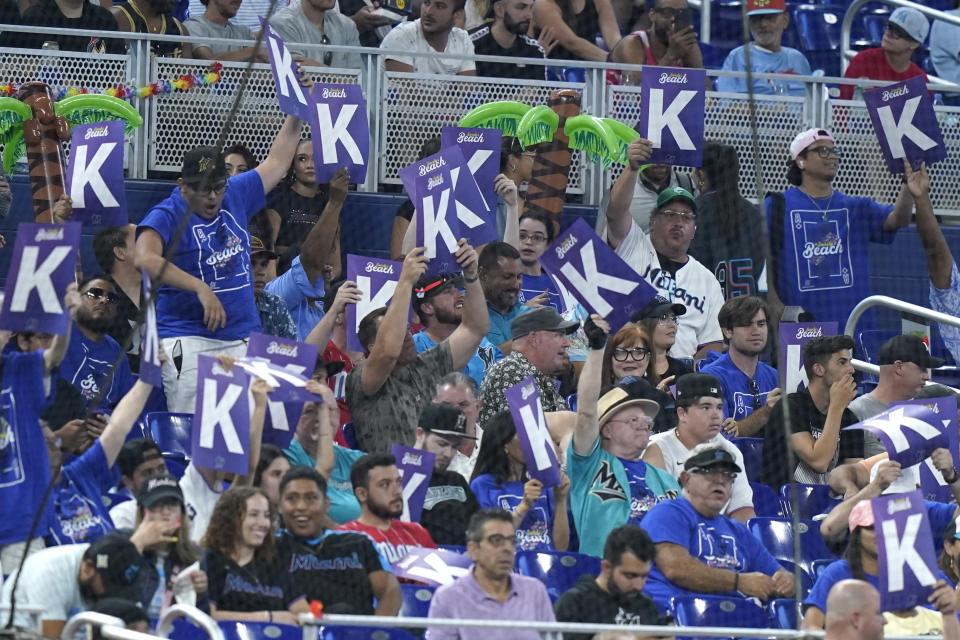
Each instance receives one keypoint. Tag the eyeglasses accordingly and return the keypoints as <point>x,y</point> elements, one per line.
<point>535,238</point>
<point>327,55</point>
<point>217,189</point>
<point>96,293</point>
<point>497,540</point>
<point>668,318</point>
<point>755,392</point>
<point>897,32</point>
<point>637,354</point>
<point>826,152</point>
<point>681,216</point>
<point>639,423</point>
<point>726,474</point>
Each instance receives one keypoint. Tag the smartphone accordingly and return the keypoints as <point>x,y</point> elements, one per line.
<point>682,20</point>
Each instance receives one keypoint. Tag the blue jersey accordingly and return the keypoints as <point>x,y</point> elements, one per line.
<point>535,532</point>
<point>24,465</point>
<point>824,264</point>
<point>87,366</point>
<point>738,398</point>
<point>533,286</point>
<point>216,251</point>
<point>785,61</point>
<point>79,513</point>
<point>478,365</point>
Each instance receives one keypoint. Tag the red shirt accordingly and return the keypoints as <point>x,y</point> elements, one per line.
<point>394,543</point>
<point>872,64</point>
<point>338,384</point>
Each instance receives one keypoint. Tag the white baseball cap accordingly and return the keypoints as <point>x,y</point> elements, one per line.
<point>807,138</point>
<point>911,21</point>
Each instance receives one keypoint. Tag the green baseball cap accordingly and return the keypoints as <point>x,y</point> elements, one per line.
<point>676,193</point>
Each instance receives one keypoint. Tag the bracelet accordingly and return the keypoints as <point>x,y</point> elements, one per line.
<point>736,581</point>
<point>956,476</point>
<point>470,280</point>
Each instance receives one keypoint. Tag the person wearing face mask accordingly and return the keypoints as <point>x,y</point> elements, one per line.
<point>245,581</point>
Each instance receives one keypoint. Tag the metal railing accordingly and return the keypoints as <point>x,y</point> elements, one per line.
<point>114,628</point>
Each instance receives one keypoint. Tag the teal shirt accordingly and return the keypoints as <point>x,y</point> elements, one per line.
<point>500,323</point>
<point>343,504</point>
<point>600,494</point>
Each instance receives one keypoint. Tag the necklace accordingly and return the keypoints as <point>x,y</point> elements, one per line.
<point>162,28</point>
<point>823,210</point>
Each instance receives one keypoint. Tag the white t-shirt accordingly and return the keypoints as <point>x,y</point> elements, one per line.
<point>49,579</point>
<point>675,453</point>
<point>464,464</point>
<point>694,287</point>
<point>199,500</point>
<point>124,515</point>
<point>407,36</point>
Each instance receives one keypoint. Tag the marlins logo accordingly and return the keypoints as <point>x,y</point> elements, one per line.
<point>605,486</point>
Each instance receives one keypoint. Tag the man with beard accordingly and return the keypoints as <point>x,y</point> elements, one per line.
<point>275,317</point>
<point>616,595</point>
<point>432,32</point>
<point>749,386</point>
<point>215,22</point>
<point>70,578</point>
<point>341,569</point>
<point>671,43</point>
<point>507,36</point>
<point>501,274</point>
<point>154,16</point>
<point>379,490</point>
<point>438,302</point>
<point>387,391</point>
<point>94,363</point>
<point>313,22</point>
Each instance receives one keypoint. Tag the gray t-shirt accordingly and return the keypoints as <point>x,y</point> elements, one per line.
<point>294,27</point>
<point>866,406</point>
<point>201,27</point>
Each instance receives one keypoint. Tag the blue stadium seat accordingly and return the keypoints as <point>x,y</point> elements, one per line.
<point>818,27</point>
<point>776,535</point>
<point>572,401</point>
<point>806,577</point>
<point>784,613</point>
<point>819,565</point>
<point>752,450</point>
<point>874,24</point>
<point>171,431</point>
<point>349,435</point>
<point>186,630</point>
<point>343,632</point>
<point>416,600</point>
<point>719,611</point>
<point>766,502</point>
<point>811,499</point>
<point>574,74</point>
<point>726,24</point>
<point>558,570</point>
<point>713,56</point>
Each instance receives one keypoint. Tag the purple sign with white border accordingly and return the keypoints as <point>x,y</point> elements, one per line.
<point>95,175</point>
<point>43,265</point>
<point>538,449</point>
<point>416,467</point>
<point>673,102</point>
<point>596,275</point>
<point>341,133</point>
<point>287,385</point>
<point>908,564</point>
<point>481,149</point>
<point>906,124</point>
<point>434,567</point>
<point>291,95</point>
<point>297,357</point>
<point>221,425</point>
<point>151,371</point>
<point>931,480</point>
<point>377,280</point>
<point>793,335</point>
<point>909,432</point>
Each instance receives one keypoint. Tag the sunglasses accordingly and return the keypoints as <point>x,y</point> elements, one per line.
<point>897,32</point>
<point>755,392</point>
<point>96,293</point>
<point>327,55</point>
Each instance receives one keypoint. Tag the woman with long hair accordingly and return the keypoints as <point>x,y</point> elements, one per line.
<point>246,582</point>
<point>731,237</point>
<point>500,480</point>
<point>628,354</point>
<point>660,320</point>
<point>270,469</point>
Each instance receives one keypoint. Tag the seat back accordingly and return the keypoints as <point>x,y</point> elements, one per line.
<point>785,612</point>
<point>808,500</point>
<point>171,431</point>
<point>819,27</point>
<point>752,450</point>
<point>344,632</point>
<point>766,502</point>
<point>558,570</point>
<point>776,535</point>
<point>719,611</point>
<point>185,630</point>
<point>416,600</point>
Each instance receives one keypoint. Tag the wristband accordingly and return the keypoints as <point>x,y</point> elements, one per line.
<point>736,581</point>
<point>470,280</point>
<point>954,478</point>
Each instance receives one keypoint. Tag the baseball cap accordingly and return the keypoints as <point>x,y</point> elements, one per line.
<point>444,419</point>
<point>711,458</point>
<point>676,193</point>
<point>430,284</point>
<point>763,7</point>
<point>953,529</point>
<point>543,318</point>
<point>913,23</point>
<point>807,138</point>
<point>861,515</point>
<point>156,488</point>
<point>200,163</point>
<point>118,562</point>
<point>908,348</point>
<point>696,385</point>
<point>257,246</point>
<point>659,306</point>
<point>634,393</point>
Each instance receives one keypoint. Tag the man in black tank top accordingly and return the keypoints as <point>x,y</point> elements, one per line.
<point>156,17</point>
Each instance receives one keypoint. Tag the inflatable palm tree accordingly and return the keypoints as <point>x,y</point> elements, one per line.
<point>33,123</point>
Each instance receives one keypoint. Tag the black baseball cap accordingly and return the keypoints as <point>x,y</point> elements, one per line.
<point>430,284</point>
<point>658,306</point>
<point>159,487</point>
<point>908,348</point>
<point>119,564</point>
<point>203,164</point>
<point>543,318</point>
<point>712,458</point>
<point>444,419</point>
<point>257,246</point>
<point>696,385</point>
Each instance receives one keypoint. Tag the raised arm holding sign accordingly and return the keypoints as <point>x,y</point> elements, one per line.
<point>673,102</point>
<point>341,133</point>
<point>906,124</point>
<point>416,468</point>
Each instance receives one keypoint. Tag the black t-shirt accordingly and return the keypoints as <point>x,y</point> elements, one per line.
<point>298,214</point>
<point>484,44</point>
<point>804,418</point>
<point>735,256</point>
<point>447,507</point>
<point>333,569</point>
<point>46,13</point>
<point>257,586</point>
<point>124,320</point>
<point>586,602</point>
